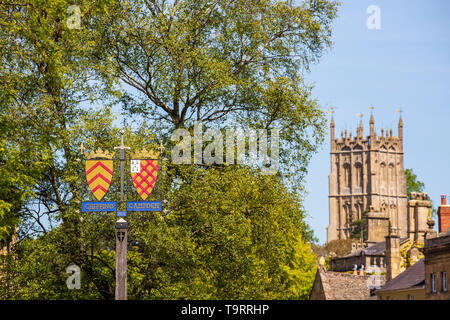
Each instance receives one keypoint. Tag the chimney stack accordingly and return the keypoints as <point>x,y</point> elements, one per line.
<point>419,207</point>
<point>444,214</point>
<point>392,256</point>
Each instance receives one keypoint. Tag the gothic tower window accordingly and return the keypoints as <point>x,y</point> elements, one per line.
<point>357,211</point>
<point>345,215</point>
<point>391,177</point>
<point>347,176</point>
<point>359,174</point>
<point>338,173</point>
<point>382,174</point>
<point>348,214</point>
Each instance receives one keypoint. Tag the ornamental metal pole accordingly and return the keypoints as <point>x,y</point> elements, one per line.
<point>121,259</point>
<point>121,236</point>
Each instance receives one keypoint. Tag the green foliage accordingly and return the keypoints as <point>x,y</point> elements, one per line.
<point>358,228</point>
<point>228,232</point>
<point>412,183</point>
<point>338,247</point>
<point>238,63</point>
<point>247,228</point>
<point>411,253</point>
<point>327,263</point>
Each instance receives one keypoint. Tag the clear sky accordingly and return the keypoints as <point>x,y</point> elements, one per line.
<point>403,65</point>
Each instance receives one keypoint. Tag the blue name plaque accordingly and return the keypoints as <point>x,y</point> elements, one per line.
<point>121,214</point>
<point>98,206</point>
<point>144,206</point>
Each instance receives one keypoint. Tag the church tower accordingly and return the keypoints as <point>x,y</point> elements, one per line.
<point>366,172</point>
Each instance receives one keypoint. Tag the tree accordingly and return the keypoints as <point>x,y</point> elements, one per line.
<point>45,77</point>
<point>229,234</point>
<point>234,63</point>
<point>358,228</point>
<point>412,183</point>
<point>250,234</point>
<point>338,247</point>
<point>44,80</point>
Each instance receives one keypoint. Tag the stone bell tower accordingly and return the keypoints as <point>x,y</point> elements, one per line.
<point>366,172</point>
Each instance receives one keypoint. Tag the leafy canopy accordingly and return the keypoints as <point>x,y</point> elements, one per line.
<point>412,183</point>
<point>225,63</point>
<point>228,232</point>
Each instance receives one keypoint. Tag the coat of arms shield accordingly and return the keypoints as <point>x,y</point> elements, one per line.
<point>99,172</point>
<point>144,171</point>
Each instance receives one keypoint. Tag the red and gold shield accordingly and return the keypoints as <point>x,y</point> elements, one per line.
<point>144,174</point>
<point>99,174</point>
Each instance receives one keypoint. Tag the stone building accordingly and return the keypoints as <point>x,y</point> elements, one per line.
<point>330,285</point>
<point>437,258</point>
<point>427,279</point>
<point>366,172</point>
<point>437,267</point>
<point>380,240</point>
<point>373,255</point>
<point>368,180</point>
<point>409,285</point>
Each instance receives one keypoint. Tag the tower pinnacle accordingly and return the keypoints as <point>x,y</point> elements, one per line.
<point>331,111</point>
<point>400,125</point>
<point>332,128</point>
<point>360,129</point>
<point>372,126</point>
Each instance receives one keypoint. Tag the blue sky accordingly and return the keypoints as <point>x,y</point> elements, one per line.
<point>404,65</point>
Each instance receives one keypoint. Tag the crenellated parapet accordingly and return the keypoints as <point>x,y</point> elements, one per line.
<point>419,196</point>
<point>385,141</point>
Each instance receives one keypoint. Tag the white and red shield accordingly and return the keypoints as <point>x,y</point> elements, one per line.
<point>144,174</point>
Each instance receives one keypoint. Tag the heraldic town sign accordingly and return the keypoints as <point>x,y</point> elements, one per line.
<point>99,172</point>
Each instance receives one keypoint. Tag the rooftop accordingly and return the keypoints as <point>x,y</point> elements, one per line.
<point>376,249</point>
<point>344,286</point>
<point>441,239</point>
<point>412,277</point>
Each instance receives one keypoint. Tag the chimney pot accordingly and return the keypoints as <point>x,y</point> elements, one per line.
<point>443,215</point>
